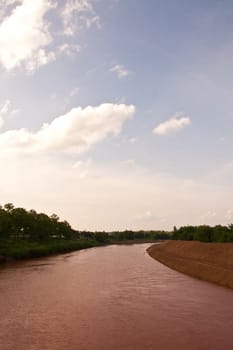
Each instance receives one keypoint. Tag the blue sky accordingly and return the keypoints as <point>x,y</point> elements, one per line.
<point>118,114</point>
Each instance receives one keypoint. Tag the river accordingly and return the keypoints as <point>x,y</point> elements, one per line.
<point>110,298</point>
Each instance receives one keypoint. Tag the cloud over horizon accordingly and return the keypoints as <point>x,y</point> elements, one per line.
<point>74,132</point>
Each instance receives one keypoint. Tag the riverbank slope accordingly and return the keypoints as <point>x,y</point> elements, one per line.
<point>212,262</point>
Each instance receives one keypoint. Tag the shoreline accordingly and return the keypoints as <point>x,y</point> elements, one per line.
<point>18,250</point>
<point>134,241</point>
<point>212,262</point>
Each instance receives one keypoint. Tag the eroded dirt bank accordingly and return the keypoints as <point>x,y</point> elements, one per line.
<point>212,262</point>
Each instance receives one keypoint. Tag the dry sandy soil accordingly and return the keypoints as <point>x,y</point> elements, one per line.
<point>212,262</point>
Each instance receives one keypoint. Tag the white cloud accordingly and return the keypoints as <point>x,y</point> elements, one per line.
<point>82,164</point>
<point>24,35</point>
<point>120,71</point>
<point>68,49</point>
<point>75,132</point>
<point>174,124</point>
<point>208,217</point>
<point>27,38</point>
<point>74,92</point>
<point>78,14</point>
<point>229,214</point>
<point>5,109</point>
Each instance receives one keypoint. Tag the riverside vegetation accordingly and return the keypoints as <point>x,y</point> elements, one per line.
<point>28,234</point>
<point>204,233</point>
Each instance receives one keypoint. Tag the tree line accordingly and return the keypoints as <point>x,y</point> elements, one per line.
<point>204,233</point>
<point>140,235</point>
<point>19,223</point>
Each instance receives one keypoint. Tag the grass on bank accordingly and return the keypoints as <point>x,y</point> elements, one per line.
<point>25,249</point>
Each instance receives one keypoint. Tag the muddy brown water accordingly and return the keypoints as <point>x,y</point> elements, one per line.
<point>109,298</point>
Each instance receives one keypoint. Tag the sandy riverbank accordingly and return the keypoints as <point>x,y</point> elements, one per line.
<point>212,262</point>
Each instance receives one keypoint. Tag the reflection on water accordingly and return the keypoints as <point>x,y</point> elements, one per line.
<point>109,298</point>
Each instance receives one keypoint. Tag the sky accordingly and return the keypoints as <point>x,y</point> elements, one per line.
<point>118,114</point>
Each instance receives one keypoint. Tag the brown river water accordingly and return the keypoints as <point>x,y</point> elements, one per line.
<point>109,298</point>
